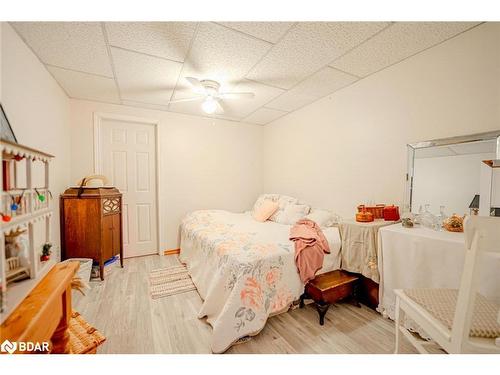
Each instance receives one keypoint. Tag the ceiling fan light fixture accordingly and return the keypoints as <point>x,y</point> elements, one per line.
<point>209,106</point>
<point>211,95</point>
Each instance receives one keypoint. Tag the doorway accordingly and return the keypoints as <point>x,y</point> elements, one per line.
<point>126,152</point>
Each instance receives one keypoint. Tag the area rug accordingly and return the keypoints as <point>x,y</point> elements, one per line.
<point>169,281</point>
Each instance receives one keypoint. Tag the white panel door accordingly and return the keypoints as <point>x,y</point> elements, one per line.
<point>128,159</point>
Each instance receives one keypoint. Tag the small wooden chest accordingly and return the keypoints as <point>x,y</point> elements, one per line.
<point>329,288</point>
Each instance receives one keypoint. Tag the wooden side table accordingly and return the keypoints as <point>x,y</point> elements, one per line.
<point>359,255</point>
<point>329,288</point>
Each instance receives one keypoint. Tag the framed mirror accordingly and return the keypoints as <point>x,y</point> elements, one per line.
<point>447,172</point>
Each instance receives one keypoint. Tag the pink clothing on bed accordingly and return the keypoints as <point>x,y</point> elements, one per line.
<point>310,247</point>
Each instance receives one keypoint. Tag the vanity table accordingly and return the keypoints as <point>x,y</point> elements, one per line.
<point>423,258</point>
<point>455,175</point>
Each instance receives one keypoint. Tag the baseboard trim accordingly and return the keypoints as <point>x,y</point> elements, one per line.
<point>171,251</point>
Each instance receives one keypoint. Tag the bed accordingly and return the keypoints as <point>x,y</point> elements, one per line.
<point>244,270</point>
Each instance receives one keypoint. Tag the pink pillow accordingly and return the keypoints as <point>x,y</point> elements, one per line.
<point>265,210</point>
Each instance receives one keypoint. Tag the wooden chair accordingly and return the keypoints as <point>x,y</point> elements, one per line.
<point>15,271</point>
<point>459,321</point>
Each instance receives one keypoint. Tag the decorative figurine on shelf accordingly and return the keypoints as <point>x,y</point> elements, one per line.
<point>41,197</point>
<point>474,205</point>
<point>46,252</point>
<point>16,247</point>
<point>16,201</point>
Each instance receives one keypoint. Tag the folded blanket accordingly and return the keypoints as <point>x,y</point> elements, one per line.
<point>310,247</point>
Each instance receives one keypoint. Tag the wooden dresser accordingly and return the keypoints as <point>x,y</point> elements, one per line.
<point>91,224</point>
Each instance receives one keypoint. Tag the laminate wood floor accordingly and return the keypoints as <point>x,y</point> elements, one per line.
<point>121,308</point>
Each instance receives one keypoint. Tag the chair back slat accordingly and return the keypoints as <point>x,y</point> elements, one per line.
<point>482,234</point>
<point>488,229</point>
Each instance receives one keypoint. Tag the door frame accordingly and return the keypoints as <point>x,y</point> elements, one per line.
<point>98,117</point>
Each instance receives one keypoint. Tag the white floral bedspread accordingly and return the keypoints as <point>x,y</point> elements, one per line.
<point>244,270</point>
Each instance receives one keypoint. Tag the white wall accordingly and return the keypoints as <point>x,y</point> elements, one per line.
<point>350,147</point>
<point>38,111</point>
<point>204,163</point>
<point>451,181</point>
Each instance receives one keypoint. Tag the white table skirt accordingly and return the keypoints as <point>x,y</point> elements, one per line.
<point>424,258</point>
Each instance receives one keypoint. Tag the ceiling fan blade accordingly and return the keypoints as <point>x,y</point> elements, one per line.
<point>186,100</point>
<point>236,95</point>
<point>220,108</point>
<point>198,87</point>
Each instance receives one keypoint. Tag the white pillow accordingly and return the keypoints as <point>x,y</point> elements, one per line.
<point>292,213</point>
<point>263,197</point>
<point>324,218</point>
<point>283,201</point>
<point>265,210</point>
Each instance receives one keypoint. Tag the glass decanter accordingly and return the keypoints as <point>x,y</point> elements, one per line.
<point>441,218</point>
<point>418,217</point>
<point>428,220</point>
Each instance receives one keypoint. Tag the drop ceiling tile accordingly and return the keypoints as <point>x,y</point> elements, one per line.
<point>169,40</point>
<point>242,107</point>
<point>144,78</point>
<point>86,86</point>
<point>264,116</point>
<point>320,84</point>
<point>220,54</point>
<point>157,107</point>
<point>72,45</point>
<point>268,31</point>
<point>395,43</point>
<point>307,47</point>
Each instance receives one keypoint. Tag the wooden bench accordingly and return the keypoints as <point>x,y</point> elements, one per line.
<point>43,316</point>
<point>329,288</point>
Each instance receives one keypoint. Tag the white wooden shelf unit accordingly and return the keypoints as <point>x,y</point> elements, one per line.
<point>31,211</point>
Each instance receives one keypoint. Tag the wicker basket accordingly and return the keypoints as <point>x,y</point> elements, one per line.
<point>377,211</point>
<point>83,338</point>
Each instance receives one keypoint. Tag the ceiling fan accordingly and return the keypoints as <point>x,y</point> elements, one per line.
<point>210,94</point>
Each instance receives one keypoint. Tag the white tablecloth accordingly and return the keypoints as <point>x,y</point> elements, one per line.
<point>424,258</point>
